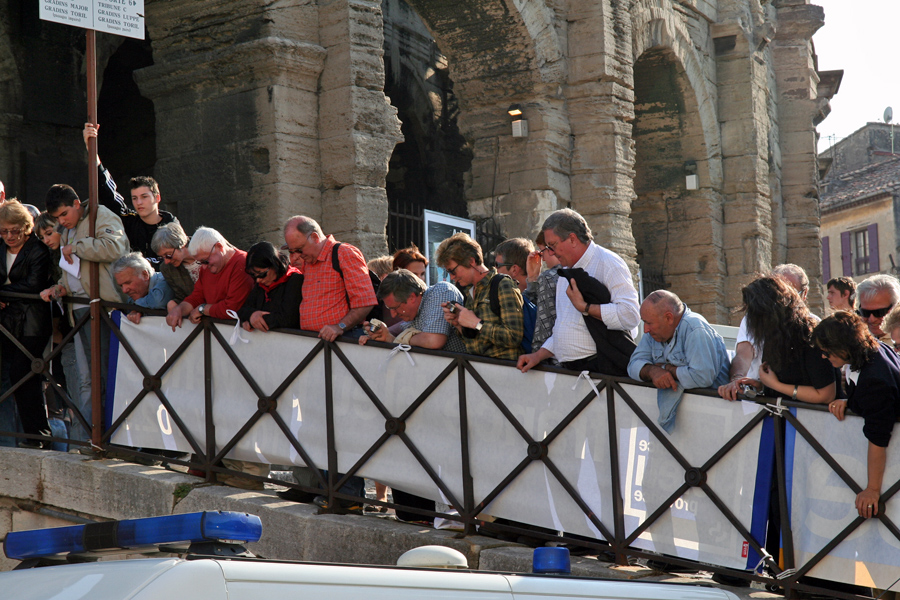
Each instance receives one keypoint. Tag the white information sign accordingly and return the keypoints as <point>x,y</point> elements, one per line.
<point>119,17</point>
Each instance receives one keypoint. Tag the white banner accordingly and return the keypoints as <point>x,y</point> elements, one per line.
<point>539,401</point>
<point>822,504</point>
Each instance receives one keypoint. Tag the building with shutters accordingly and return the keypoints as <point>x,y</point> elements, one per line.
<point>860,205</point>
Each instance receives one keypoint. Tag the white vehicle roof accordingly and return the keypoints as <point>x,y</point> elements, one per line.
<point>216,579</point>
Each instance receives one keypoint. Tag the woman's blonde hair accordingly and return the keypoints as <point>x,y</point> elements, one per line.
<point>13,213</point>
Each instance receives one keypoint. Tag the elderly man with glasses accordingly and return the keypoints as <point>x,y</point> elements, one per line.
<point>223,283</point>
<point>334,302</point>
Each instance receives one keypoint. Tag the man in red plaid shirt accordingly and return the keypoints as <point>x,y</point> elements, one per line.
<point>333,305</point>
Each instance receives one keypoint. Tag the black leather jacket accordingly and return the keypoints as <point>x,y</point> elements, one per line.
<point>30,274</point>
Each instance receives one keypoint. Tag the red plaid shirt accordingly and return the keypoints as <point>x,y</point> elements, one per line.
<point>325,292</point>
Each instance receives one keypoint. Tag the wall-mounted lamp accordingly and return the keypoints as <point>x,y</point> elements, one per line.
<point>691,179</point>
<point>519,122</point>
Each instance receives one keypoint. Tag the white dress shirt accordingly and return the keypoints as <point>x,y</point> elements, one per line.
<point>571,339</point>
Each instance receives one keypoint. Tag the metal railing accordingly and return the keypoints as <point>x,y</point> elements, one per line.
<point>607,391</point>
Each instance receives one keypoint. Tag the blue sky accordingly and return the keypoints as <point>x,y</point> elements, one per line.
<point>857,37</point>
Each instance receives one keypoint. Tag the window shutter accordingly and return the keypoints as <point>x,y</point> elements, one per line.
<point>874,262</point>
<point>846,257</point>
<point>826,259</point>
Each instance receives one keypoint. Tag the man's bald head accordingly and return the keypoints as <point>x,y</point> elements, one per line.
<point>2,193</point>
<point>661,312</point>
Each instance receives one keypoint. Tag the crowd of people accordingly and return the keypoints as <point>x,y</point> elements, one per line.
<point>561,299</point>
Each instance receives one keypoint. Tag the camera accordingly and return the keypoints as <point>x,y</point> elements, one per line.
<point>375,325</point>
<point>749,390</point>
<point>454,306</point>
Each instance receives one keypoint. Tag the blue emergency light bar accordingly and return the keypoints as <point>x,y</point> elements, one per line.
<point>132,533</point>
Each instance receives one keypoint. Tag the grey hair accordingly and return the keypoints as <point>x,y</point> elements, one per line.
<point>304,225</point>
<point>204,239</point>
<point>170,235</point>
<point>401,283</point>
<point>132,260</point>
<point>666,299</point>
<point>869,288</point>
<point>795,272</point>
<point>566,221</point>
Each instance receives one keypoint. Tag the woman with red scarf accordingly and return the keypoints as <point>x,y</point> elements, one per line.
<point>274,302</point>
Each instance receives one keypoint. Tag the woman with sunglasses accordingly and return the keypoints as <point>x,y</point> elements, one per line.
<point>25,269</point>
<point>274,301</point>
<point>873,391</point>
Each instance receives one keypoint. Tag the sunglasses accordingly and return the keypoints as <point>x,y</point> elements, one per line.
<point>257,275</point>
<point>876,312</point>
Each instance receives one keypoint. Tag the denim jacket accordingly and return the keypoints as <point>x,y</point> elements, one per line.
<point>696,350</point>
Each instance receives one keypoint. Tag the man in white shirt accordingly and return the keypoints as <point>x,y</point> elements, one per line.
<point>568,236</point>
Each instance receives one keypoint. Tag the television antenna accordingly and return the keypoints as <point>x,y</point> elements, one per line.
<point>888,116</point>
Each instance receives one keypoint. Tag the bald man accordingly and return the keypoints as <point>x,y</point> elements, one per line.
<point>679,350</point>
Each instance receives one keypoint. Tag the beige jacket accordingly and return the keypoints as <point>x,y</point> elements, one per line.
<point>105,247</point>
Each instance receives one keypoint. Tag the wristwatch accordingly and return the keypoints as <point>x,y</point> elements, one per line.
<point>342,325</point>
<point>479,325</point>
<point>587,310</point>
<point>200,308</point>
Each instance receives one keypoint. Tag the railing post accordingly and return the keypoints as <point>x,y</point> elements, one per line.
<point>787,539</point>
<point>329,425</point>
<point>468,511</point>
<point>208,400</point>
<point>618,503</point>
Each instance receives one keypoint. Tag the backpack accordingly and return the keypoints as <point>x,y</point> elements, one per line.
<point>529,311</point>
<point>378,311</point>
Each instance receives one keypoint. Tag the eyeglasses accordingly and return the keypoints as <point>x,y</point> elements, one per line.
<point>499,265</point>
<point>544,249</point>
<point>292,251</point>
<point>11,232</point>
<point>257,275</point>
<point>168,256</point>
<point>393,307</point>
<point>453,270</point>
<point>865,313</point>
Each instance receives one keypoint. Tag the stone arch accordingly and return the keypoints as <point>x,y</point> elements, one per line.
<point>501,53</point>
<point>678,232</point>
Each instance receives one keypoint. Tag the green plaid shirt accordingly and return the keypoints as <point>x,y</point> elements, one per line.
<point>501,335</point>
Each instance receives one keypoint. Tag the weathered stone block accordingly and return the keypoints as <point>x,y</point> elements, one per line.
<point>21,475</point>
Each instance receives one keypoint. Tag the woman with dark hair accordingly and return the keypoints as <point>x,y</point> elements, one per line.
<point>25,269</point>
<point>780,321</point>
<point>873,391</point>
<point>274,302</point>
<point>411,260</point>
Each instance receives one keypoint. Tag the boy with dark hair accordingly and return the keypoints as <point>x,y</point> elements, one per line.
<point>141,222</point>
<point>841,293</point>
<point>107,245</point>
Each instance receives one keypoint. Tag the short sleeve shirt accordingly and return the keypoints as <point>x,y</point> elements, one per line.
<point>430,318</point>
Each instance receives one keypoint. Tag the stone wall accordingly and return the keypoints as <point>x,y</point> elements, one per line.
<point>265,109</point>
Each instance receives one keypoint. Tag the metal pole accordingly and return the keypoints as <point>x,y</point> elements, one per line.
<point>96,372</point>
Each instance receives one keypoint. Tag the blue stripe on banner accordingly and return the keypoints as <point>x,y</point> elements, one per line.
<point>111,369</point>
<point>764,473</point>
<point>790,437</point>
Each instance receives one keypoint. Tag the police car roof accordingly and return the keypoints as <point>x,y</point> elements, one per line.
<point>217,579</point>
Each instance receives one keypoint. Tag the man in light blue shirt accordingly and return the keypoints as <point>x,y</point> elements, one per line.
<point>141,284</point>
<point>679,350</point>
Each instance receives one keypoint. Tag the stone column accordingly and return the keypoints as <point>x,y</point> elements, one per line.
<point>601,107</point>
<point>743,113</point>
<point>236,113</point>
<point>357,125</point>
<point>797,81</point>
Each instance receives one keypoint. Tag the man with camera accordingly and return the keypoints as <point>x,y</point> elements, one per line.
<point>486,332</point>
<point>407,297</point>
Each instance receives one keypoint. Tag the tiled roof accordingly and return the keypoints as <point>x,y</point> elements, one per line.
<point>866,183</point>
